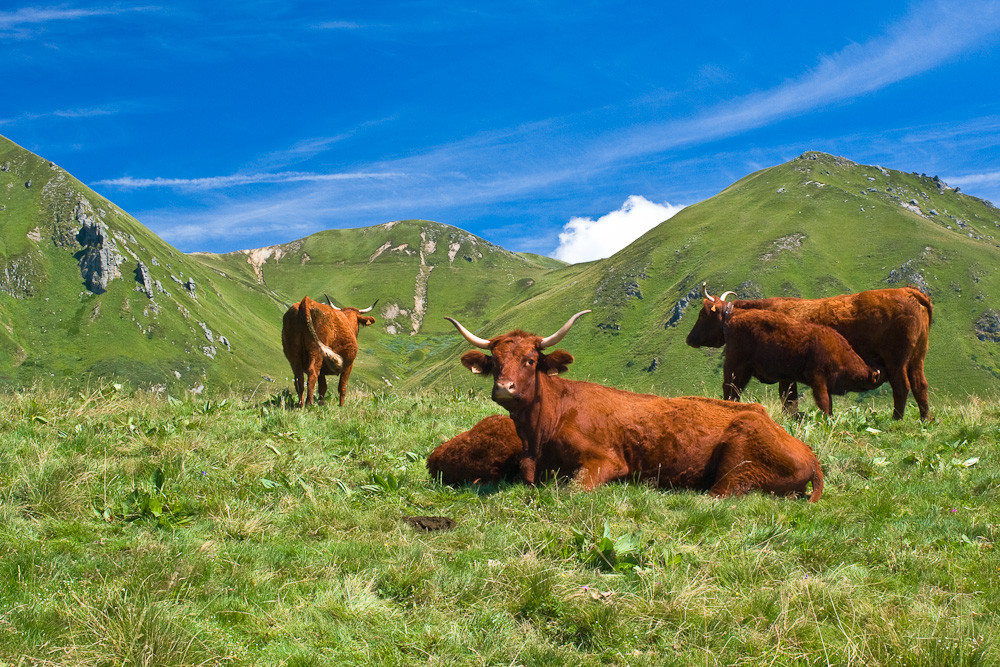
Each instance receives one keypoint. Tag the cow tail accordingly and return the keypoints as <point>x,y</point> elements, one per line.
<point>925,301</point>
<point>817,483</point>
<point>336,360</point>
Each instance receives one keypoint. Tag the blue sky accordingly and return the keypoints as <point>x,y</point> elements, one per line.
<point>561,128</point>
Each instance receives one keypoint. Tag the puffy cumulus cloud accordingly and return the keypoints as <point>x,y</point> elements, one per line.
<point>586,239</point>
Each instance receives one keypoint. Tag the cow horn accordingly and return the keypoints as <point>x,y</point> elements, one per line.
<point>549,341</point>
<point>704,288</point>
<point>469,336</point>
<point>329,302</point>
<point>369,308</point>
<point>725,294</point>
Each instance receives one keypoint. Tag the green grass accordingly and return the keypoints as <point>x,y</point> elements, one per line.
<point>142,529</point>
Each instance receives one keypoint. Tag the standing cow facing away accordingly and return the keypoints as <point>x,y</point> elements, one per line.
<point>321,340</point>
<point>888,328</point>
<point>600,434</point>
<point>773,347</point>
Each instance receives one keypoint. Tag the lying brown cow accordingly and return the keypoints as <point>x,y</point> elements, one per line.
<point>888,328</point>
<point>774,347</point>
<point>600,434</point>
<point>487,453</point>
<point>321,340</point>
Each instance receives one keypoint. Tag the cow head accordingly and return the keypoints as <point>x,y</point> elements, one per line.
<point>708,331</point>
<point>516,361</point>
<point>360,319</point>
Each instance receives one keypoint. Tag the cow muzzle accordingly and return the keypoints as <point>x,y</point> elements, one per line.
<point>503,392</point>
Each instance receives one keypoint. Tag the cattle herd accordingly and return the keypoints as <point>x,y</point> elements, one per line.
<point>596,434</point>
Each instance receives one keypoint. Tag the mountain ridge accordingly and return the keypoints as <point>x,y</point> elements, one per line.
<point>814,226</point>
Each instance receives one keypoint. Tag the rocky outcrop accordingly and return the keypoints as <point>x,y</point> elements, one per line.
<point>784,244</point>
<point>19,277</point>
<point>677,312</point>
<point>144,279</point>
<point>909,274</point>
<point>988,326</point>
<point>100,259</point>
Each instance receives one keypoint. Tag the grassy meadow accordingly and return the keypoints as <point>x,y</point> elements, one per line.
<point>143,529</point>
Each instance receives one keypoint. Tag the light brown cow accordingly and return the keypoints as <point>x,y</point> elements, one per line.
<point>600,434</point>
<point>321,340</point>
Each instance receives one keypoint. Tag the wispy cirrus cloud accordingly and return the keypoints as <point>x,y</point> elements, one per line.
<point>235,180</point>
<point>972,180</point>
<point>80,112</point>
<point>504,165</point>
<point>930,35</point>
<point>35,16</point>
<point>339,25</point>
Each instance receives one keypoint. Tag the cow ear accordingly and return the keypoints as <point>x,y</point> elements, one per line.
<point>477,362</point>
<point>556,362</point>
<point>366,320</point>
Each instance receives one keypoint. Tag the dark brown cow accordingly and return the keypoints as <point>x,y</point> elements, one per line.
<point>321,340</point>
<point>600,434</point>
<point>774,347</point>
<point>888,328</point>
<point>487,453</point>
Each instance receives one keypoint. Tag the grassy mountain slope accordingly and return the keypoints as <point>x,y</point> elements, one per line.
<point>419,271</point>
<point>816,226</point>
<point>86,289</point>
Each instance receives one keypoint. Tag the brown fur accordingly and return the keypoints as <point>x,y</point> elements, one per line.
<point>337,329</point>
<point>888,328</point>
<point>487,453</point>
<point>773,347</point>
<point>600,434</point>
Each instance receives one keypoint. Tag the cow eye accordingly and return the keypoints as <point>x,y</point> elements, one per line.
<point>529,362</point>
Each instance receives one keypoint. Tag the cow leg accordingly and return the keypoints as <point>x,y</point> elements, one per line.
<point>597,471</point>
<point>735,379</point>
<point>789,393</point>
<point>822,396</point>
<point>918,383</point>
<point>528,472</point>
<point>310,387</point>
<point>900,390</point>
<point>300,386</point>
<point>321,390</point>
<point>342,386</point>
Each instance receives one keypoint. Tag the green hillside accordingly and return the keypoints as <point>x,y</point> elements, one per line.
<point>816,226</point>
<point>86,289</point>
<point>418,270</point>
<point>160,317</point>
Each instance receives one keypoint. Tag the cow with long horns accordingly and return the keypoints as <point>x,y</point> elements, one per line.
<point>319,340</point>
<point>888,328</point>
<point>598,434</point>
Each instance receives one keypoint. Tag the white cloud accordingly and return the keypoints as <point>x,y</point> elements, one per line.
<point>989,178</point>
<point>41,15</point>
<point>214,182</point>
<point>586,239</point>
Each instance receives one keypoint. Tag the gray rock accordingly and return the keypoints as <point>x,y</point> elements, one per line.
<point>145,280</point>
<point>677,312</point>
<point>100,258</point>
<point>988,326</point>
